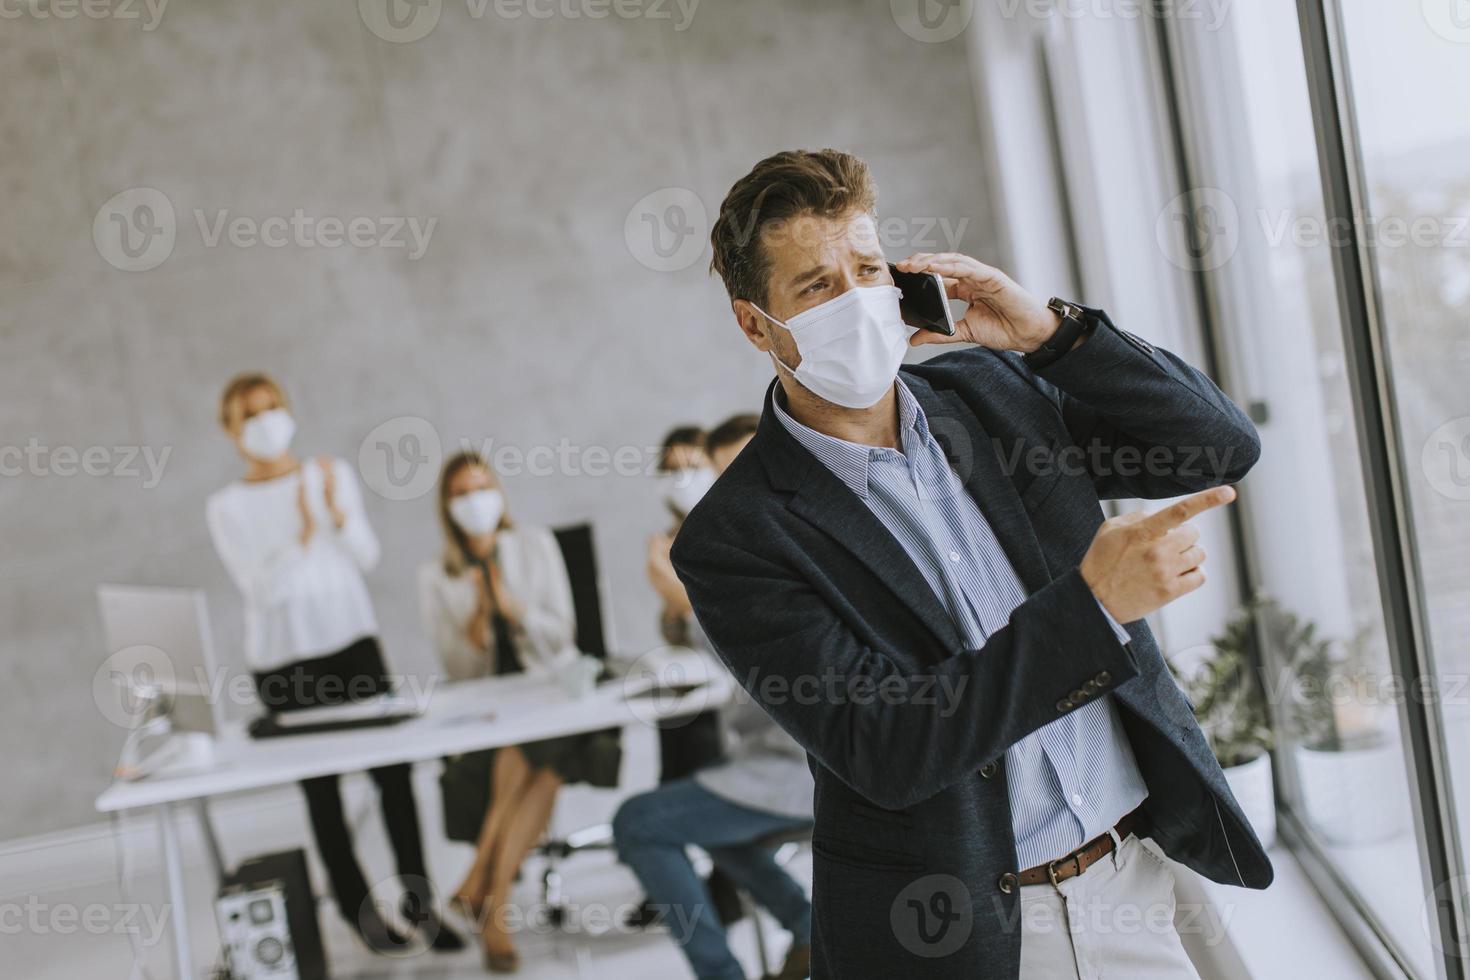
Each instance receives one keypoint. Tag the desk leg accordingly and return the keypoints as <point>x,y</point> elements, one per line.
<point>173,866</point>
<point>211,841</point>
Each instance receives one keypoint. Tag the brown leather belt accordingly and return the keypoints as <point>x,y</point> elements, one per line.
<point>1073,864</point>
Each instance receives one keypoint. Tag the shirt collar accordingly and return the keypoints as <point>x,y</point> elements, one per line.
<point>849,461</point>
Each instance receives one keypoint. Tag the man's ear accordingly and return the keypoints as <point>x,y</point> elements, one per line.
<point>752,324</point>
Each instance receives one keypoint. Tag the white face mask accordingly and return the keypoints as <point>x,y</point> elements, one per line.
<point>478,512</point>
<point>682,489</point>
<point>851,346</point>
<point>268,435</point>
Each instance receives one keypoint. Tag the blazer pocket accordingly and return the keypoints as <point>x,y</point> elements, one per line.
<point>862,856</point>
<point>898,818</point>
<point>1045,481</point>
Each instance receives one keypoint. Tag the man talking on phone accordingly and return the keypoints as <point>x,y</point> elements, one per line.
<point>909,568</point>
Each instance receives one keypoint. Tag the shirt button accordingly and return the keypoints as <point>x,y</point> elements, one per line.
<point>954,556</point>
<point>1076,799</point>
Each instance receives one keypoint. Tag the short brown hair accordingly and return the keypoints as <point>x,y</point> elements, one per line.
<point>243,384</point>
<point>731,431</point>
<point>827,183</point>
<point>680,437</point>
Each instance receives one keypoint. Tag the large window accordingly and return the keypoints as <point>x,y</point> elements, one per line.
<point>1262,243</point>
<point>1300,171</point>
<point>1408,70</point>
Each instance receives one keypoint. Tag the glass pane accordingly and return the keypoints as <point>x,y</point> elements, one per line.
<point>1263,240</point>
<point>1410,75</point>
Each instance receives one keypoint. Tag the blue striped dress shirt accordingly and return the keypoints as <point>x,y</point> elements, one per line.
<point>1070,780</point>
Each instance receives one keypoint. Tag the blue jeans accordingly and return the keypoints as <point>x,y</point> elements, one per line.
<point>652,830</point>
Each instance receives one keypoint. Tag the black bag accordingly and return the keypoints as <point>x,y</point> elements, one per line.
<point>464,787</point>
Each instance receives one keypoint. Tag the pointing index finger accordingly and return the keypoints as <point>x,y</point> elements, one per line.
<point>1187,509</point>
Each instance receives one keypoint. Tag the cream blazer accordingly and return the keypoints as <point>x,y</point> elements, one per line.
<point>533,570</point>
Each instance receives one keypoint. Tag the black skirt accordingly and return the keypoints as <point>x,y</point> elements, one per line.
<point>465,783</point>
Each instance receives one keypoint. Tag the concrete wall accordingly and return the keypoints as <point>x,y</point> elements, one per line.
<point>540,314</point>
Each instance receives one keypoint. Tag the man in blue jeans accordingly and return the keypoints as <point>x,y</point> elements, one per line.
<point>762,787</point>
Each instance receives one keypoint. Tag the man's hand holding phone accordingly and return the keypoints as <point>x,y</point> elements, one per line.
<point>1000,314</point>
<point>1139,563</point>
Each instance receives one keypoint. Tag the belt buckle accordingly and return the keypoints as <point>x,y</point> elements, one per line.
<point>1051,871</point>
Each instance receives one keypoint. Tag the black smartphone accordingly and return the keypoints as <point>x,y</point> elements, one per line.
<point>924,303</point>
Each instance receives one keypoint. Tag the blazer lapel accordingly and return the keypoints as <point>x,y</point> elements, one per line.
<point>972,454</point>
<point>824,501</point>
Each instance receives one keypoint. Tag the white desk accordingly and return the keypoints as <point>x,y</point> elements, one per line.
<point>460,717</point>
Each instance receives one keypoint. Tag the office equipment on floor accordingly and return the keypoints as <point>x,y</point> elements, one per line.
<point>267,920</point>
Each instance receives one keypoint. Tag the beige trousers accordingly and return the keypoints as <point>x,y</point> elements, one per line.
<point>1115,921</point>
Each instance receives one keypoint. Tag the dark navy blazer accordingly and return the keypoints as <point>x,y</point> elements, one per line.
<point>821,615</point>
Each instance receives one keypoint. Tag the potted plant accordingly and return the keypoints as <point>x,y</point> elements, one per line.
<point>1344,746</point>
<point>1231,710</point>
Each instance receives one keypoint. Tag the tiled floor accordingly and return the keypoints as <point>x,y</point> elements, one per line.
<point>69,916</point>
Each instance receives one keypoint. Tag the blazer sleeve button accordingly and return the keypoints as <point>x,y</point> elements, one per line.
<point>1103,677</point>
<point>989,770</point>
<point>1007,883</point>
<point>1065,705</point>
<point>1078,696</point>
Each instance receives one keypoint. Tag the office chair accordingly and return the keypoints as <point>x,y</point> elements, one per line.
<point>579,553</point>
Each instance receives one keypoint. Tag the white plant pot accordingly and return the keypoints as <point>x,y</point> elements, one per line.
<point>1347,796</point>
<point>1251,784</point>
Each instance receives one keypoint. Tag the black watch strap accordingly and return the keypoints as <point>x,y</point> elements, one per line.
<point>1074,324</point>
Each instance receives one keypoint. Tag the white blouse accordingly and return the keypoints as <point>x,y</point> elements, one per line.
<point>301,601</point>
<point>533,571</point>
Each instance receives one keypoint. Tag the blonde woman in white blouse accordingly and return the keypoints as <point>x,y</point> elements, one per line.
<point>294,537</point>
<point>498,601</point>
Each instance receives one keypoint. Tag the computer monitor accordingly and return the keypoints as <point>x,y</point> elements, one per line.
<point>159,638</point>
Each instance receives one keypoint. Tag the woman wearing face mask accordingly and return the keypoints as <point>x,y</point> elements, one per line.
<point>294,537</point>
<point>499,602</point>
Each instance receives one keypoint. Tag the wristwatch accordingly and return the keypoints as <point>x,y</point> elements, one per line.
<point>1074,325</point>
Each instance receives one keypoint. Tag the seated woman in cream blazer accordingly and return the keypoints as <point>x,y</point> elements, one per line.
<point>498,601</point>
